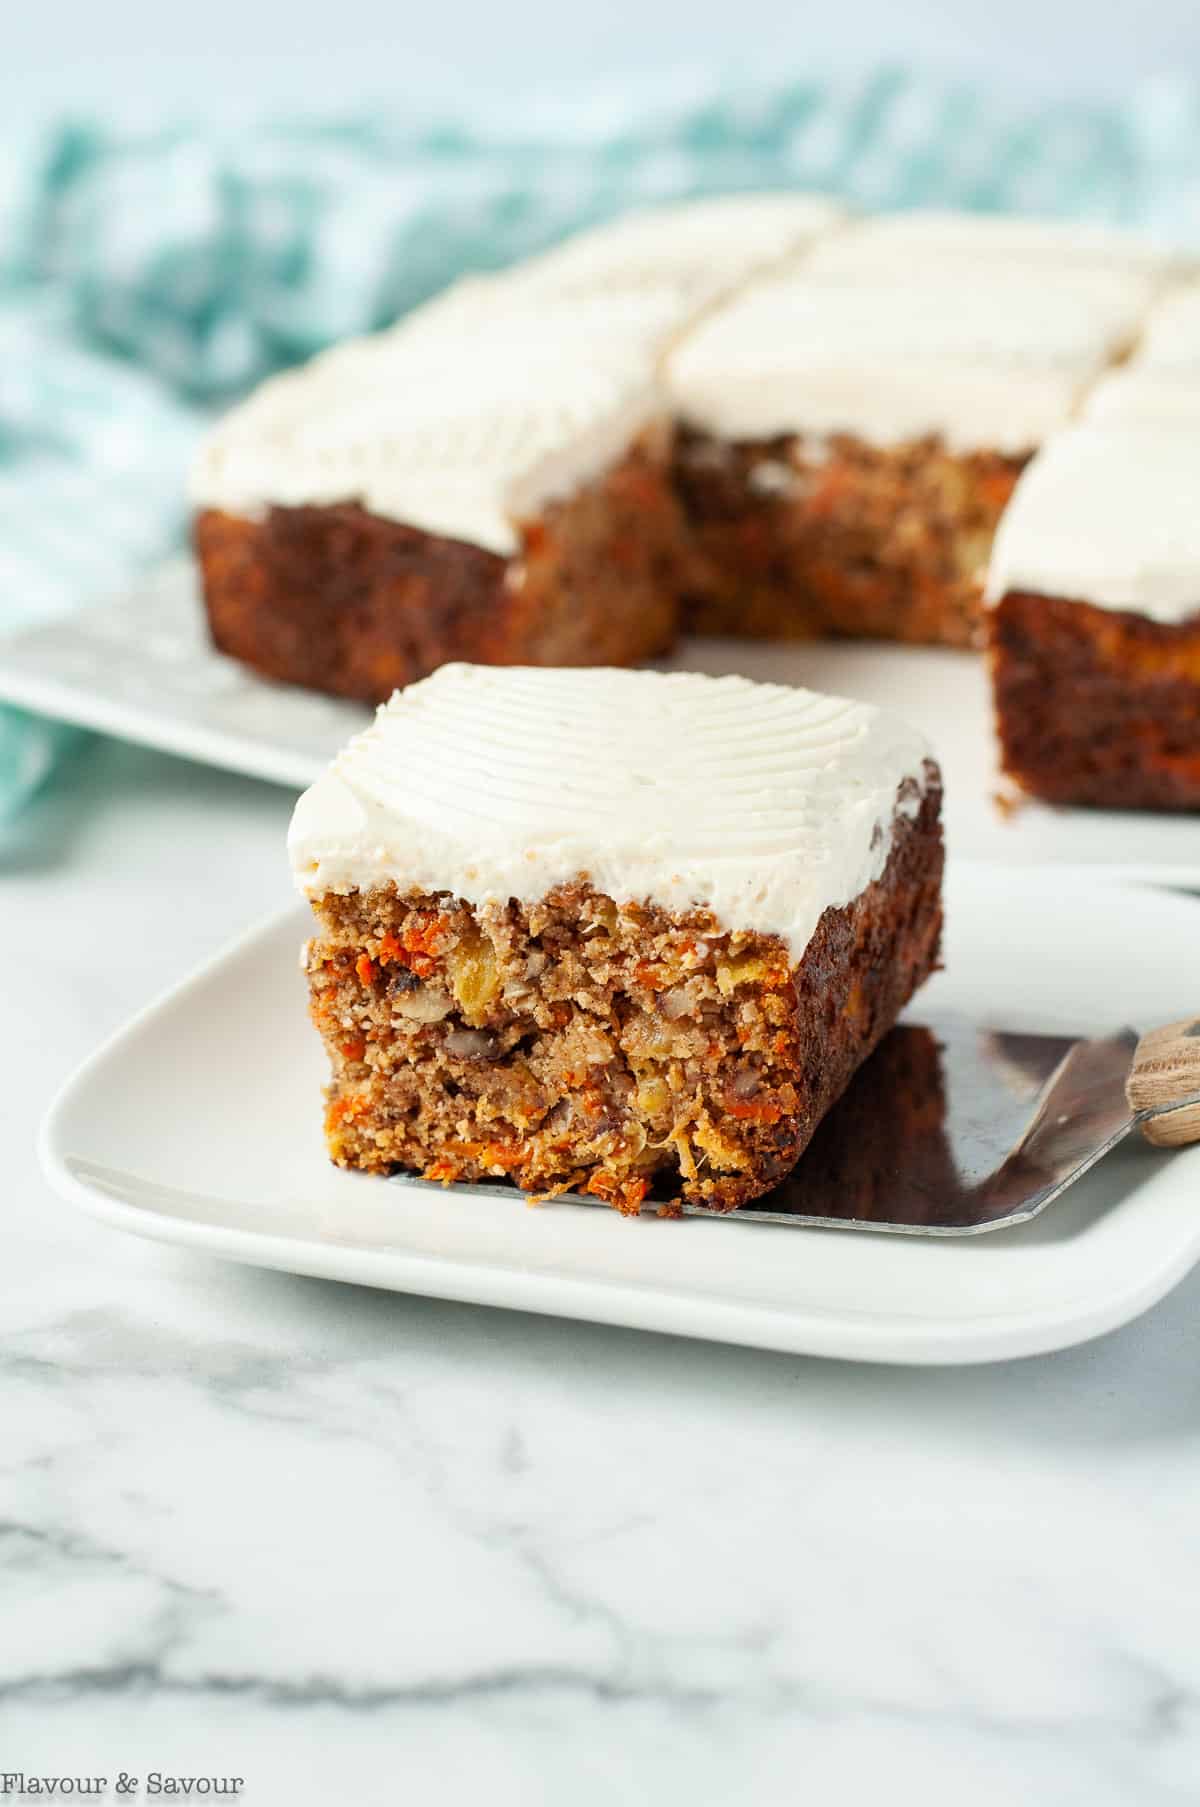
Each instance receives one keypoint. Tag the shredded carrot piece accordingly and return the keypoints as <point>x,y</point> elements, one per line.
<point>419,946</point>
<point>995,489</point>
<point>626,1195</point>
<point>364,966</point>
<point>826,495</point>
<point>444,1170</point>
<point>758,1111</point>
<point>346,1109</point>
<point>501,1154</point>
<point>355,1048</point>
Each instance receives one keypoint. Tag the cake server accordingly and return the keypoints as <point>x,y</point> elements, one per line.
<point>952,1130</point>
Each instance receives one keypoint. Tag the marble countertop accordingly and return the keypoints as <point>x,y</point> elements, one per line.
<point>344,1544</point>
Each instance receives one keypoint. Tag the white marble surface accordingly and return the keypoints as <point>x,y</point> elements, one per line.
<point>350,1546</point>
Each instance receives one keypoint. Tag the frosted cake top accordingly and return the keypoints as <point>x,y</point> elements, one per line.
<point>461,420</point>
<point>763,803</point>
<point>704,246</point>
<point>1107,514</point>
<point>901,239</point>
<point>1172,337</point>
<point>1137,393</point>
<point>986,357</point>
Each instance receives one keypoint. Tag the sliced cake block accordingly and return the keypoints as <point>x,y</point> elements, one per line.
<point>1094,619</point>
<point>848,444</point>
<point>624,932</point>
<point>487,481</point>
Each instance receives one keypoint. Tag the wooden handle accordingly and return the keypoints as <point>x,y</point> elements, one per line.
<point>1165,1080</point>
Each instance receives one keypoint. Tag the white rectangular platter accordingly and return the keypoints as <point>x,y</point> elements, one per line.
<point>199,1125</point>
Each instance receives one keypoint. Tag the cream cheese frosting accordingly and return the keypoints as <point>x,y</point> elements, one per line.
<point>925,235</point>
<point>1107,514</point>
<point>461,422</point>
<point>1135,393</point>
<point>1171,340</point>
<point>703,246</point>
<point>987,358</point>
<point>766,804</point>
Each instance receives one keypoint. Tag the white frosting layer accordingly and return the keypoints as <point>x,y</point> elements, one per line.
<point>1172,337</point>
<point>464,419</point>
<point>987,358</point>
<point>1107,515</point>
<point>1134,393</point>
<point>764,803</point>
<point>904,239</point>
<point>704,246</point>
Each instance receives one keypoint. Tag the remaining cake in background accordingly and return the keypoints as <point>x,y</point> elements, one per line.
<point>850,439</point>
<point>611,931</point>
<point>1094,619</point>
<point>744,415</point>
<point>487,481</point>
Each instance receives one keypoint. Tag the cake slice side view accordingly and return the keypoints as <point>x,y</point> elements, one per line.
<point>1094,619</point>
<point>850,439</point>
<point>623,932</point>
<point>487,481</point>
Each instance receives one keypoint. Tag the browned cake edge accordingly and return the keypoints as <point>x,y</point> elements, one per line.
<point>1096,706</point>
<point>617,1049</point>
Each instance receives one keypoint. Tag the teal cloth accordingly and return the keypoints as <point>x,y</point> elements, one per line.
<point>145,279</point>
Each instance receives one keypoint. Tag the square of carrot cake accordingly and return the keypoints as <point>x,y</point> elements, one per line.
<point>1094,618</point>
<point>487,481</point>
<point>628,933</point>
<point>849,439</point>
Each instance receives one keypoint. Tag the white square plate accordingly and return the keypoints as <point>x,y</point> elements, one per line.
<point>142,667</point>
<point>200,1124</point>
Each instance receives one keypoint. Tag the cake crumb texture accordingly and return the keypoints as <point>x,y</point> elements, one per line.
<point>614,1048</point>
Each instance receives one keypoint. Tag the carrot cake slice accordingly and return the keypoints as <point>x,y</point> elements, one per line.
<point>611,931</point>
<point>487,481</point>
<point>1094,619</point>
<point>848,444</point>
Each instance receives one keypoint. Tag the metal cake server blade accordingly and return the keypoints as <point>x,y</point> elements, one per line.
<point>953,1130</point>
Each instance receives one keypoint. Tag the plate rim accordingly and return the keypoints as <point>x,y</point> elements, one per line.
<point>220,748</point>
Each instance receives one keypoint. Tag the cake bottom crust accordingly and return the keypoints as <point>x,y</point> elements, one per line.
<point>618,1050</point>
<point>1095,706</point>
<point>792,540</point>
<point>339,600</point>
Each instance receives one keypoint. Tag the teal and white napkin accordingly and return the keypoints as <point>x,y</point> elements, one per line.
<point>145,279</point>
